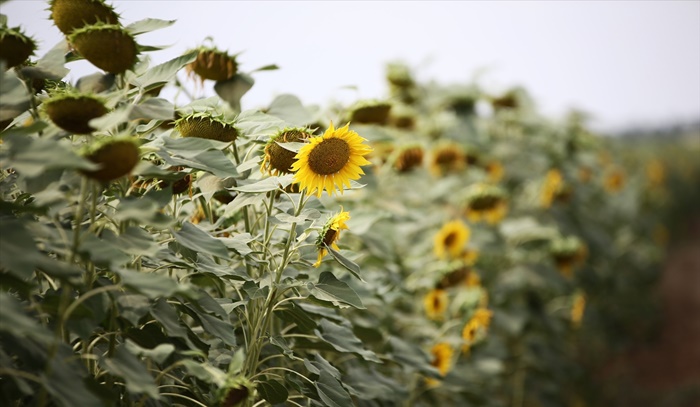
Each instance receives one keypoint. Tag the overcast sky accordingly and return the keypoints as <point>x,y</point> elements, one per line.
<point>625,62</point>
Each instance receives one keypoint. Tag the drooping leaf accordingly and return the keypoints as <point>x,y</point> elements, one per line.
<point>265,185</point>
<point>153,109</point>
<point>147,25</point>
<point>127,366</point>
<point>273,391</point>
<point>198,240</point>
<point>332,392</point>
<point>164,72</point>
<point>151,285</point>
<point>348,264</point>
<point>33,157</point>
<point>343,340</point>
<point>329,288</point>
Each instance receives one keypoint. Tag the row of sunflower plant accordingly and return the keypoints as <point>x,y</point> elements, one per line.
<point>440,247</point>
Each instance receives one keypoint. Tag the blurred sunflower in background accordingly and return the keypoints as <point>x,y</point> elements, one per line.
<point>435,303</point>
<point>447,158</point>
<point>330,234</point>
<point>485,202</point>
<point>442,360</point>
<point>479,322</point>
<point>568,253</point>
<point>578,308</point>
<point>614,180</point>
<point>552,185</point>
<point>330,161</point>
<point>450,240</point>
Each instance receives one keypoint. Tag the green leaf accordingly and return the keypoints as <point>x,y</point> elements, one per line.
<point>134,373</point>
<point>151,285</point>
<point>194,238</point>
<point>159,354</point>
<point>343,340</point>
<point>112,119</point>
<point>204,372</point>
<point>213,161</point>
<point>232,90</point>
<point>281,343</point>
<point>164,72</point>
<point>333,290</point>
<point>15,321</point>
<point>153,109</point>
<point>15,239</point>
<point>254,124</point>
<point>242,200</point>
<point>33,157</point>
<point>65,382</point>
<point>412,356</point>
<point>290,109</point>
<point>148,25</point>
<point>332,392</point>
<point>214,326</point>
<point>348,264</point>
<point>266,184</point>
<point>145,210</point>
<point>102,252</point>
<point>273,391</point>
<point>292,313</point>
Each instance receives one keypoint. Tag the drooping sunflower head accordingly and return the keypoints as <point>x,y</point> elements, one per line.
<point>403,117</point>
<point>207,125</point>
<point>442,357</point>
<point>15,46</point>
<point>277,159</point>
<point>115,156</point>
<point>370,112</point>
<point>399,75</point>
<point>330,234</point>
<point>408,158</point>
<point>485,202</point>
<point>568,253</point>
<point>330,161</point>
<point>212,64</point>
<point>72,110</point>
<point>450,239</point>
<point>448,157</point>
<point>614,180</point>
<point>452,277</point>
<point>435,303</point>
<point>552,185</point>
<point>109,47</point>
<point>69,15</point>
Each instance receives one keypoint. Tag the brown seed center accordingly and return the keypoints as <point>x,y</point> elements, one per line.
<point>329,156</point>
<point>329,237</point>
<point>450,239</point>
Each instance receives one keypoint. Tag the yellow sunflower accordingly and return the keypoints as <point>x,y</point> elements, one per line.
<point>442,360</point>
<point>435,303</point>
<point>485,202</point>
<point>450,240</point>
<point>578,308</point>
<point>447,158</point>
<point>495,171</point>
<point>330,161</point>
<point>614,180</point>
<point>330,234</point>
<point>409,158</point>
<point>479,322</point>
<point>552,185</point>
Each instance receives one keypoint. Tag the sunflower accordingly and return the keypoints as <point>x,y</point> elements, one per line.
<point>495,171</point>
<point>330,161</point>
<point>409,158</point>
<point>553,184</point>
<point>330,234</point>
<point>435,303</point>
<point>578,308</point>
<point>568,253</point>
<point>450,240</point>
<point>278,160</point>
<point>448,158</point>
<point>614,180</point>
<point>479,322</point>
<point>485,202</point>
<point>442,360</point>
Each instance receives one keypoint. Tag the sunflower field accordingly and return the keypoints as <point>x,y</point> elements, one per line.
<point>442,246</point>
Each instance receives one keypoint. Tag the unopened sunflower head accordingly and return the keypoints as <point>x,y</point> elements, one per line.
<point>207,125</point>
<point>453,276</point>
<point>15,46</point>
<point>116,157</point>
<point>369,112</point>
<point>330,234</point>
<point>277,159</point>
<point>109,47</point>
<point>485,202</point>
<point>212,64</point>
<point>568,253</point>
<point>72,110</point>
<point>447,157</point>
<point>69,15</point>
<point>408,158</point>
<point>331,161</point>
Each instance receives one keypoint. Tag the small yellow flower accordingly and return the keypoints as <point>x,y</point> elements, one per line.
<point>330,234</point>
<point>435,303</point>
<point>450,240</point>
<point>330,161</point>
<point>442,360</point>
<point>578,308</point>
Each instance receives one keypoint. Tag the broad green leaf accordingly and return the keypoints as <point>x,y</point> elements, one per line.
<point>306,214</point>
<point>148,25</point>
<point>102,252</point>
<point>290,109</point>
<point>153,109</point>
<point>151,285</point>
<point>348,264</point>
<point>214,326</point>
<point>332,392</point>
<point>164,72</point>
<point>16,239</point>
<point>213,161</point>
<point>194,238</point>
<point>273,391</point>
<point>282,344</point>
<point>65,382</point>
<point>204,372</point>
<point>32,157</point>
<point>254,291</point>
<point>16,322</point>
<point>133,307</point>
<point>333,290</point>
<point>189,147</point>
<point>145,210</point>
<point>412,356</point>
<point>113,119</point>
<point>127,366</point>
<point>232,90</point>
<point>134,241</point>
<point>242,200</point>
<point>292,313</point>
<point>266,184</point>
<point>343,340</point>
<point>254,124</point>
<point>159,354</point>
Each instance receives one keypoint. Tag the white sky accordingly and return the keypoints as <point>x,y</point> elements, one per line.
<point>625,62</point>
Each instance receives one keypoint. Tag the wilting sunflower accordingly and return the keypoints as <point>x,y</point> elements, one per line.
<point>277,159</point>
<point>614,180</point>
<point>447,158</point>
<point>479,322</point>
<point>553,184</point>
<point>409,158</point>
<point>578,308</point>
<point>450,240</point>
<point>330,161</point>
<point>568,253</point>
<point>485,202</point>
<point>330,234</point>
<point>435,303</point>
<point>442,360</point>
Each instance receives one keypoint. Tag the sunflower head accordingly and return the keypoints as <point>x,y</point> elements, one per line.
<point>330,161</point>
<point>69,15</point>
<point>72,110</point>
<point>435,303</point>
<point>552,185</point>
<point>494,170</point>
<point>578,307</point>
<point>442,357</point>
<point>450,240</point>
<point>109,47</point>
<point>568,253</point>
<point>330,234</point>
<point>370,112</point>
<point>478,323</point>
<point>235,391</point>
<point>485,202</point>
<point>463,103</point>
<point>207,125</point>
<point>399,75</point>
<point>408,158</point>
<point>15,46</point>
<point>116,157</point>
<point>448,157</point>
<point>614,180</point>
<point>277,159</point>
<point>404,117</point>
<point>212,64</point>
